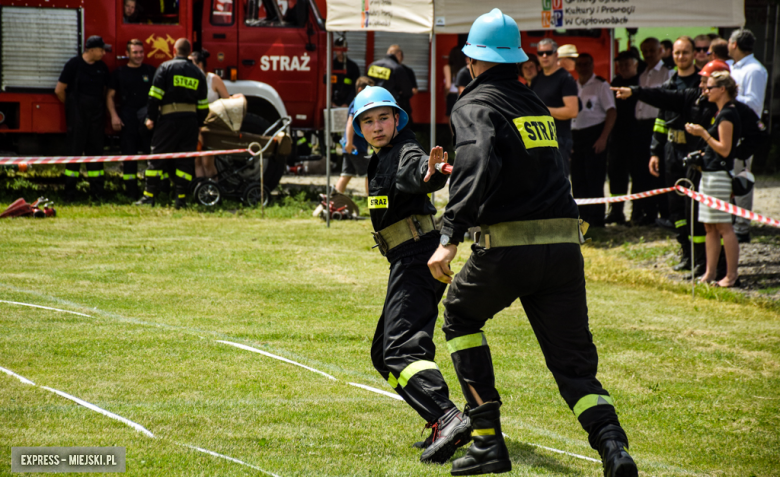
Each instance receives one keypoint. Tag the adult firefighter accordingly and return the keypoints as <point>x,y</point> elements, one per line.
<point>390,74</point>
<point>179,98</point>
<point>402,215</point>
<point>509,177</point>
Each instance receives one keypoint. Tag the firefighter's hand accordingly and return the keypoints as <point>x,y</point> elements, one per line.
<point>437,155</point>
<point>600,145</point>
<point>653,166</point>
<point>622,93</point>
<point>439,263</point>
<point>116,123</point>
<point>149,124</point>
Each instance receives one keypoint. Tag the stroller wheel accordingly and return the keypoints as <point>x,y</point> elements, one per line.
<point>251,196</point>
<point>207,193</point>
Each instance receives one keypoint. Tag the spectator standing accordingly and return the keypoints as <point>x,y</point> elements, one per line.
<point>345,72</point>
<point>701,49</point>
<point>455,61</point>
<point>463,78</point>
<point>622,144</point>
<point>558,91</point>
<point>645,211</point>
<point>666,57</point>
<point>82,87</point>
<point>751,78</point>
<point>177,106</point>
<point>590,133</point>
<point>399,54</point>
<point>719,50</point>
<point>204,165</point>
<point>530,69</point>
<point>567,58</point>
<point>388,73</point>
<point>355,155</point>
<point>721,139</point>
<point>130,86</point>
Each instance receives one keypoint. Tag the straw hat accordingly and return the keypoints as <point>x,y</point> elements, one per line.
<point>567,51</point>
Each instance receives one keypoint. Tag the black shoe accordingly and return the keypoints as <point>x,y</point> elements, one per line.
<point>616,460</point>
<point>743,238</point>
<point>451,431</point>
<point>615,215</point>
<point>146,200</point>
<point>665,224</point>
<point>180,204</point>
<point>685,259</point>
<point>488,454</point>
<point>428,440</point>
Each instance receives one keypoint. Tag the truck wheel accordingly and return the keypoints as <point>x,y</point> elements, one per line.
<point>207,193</point>
<point>251,196</point>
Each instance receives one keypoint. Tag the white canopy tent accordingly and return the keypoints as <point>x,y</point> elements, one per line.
<point>456,16</point>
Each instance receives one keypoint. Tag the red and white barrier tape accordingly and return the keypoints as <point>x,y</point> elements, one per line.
<point>5,161</point>
<point>623,198</point>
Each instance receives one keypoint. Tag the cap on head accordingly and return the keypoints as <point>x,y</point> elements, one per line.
<point>626,55</point>
<point>96,41</point>
<point>340,44</point>
<point>376,97</point>
<point>567,51</point>
<point>494,37</point>
<point>713,66</point>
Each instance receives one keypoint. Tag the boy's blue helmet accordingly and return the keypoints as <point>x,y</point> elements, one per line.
<point>495,37</point>
<point>376,97</point>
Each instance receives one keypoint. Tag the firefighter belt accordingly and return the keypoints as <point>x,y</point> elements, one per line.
<point>532,232</point>
<point>410,228</point>
<point>676,136</point>
<point>178,108</point>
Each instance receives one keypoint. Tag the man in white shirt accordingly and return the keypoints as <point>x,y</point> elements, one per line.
<point>645,211</point>
<point>590,132</point>
<point>751,78</point>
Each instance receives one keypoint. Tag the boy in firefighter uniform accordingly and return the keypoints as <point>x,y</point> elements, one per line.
<point>509,177</point>
<point>402,215</point>
<point>179,98</point>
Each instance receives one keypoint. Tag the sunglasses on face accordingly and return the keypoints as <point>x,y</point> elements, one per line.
<point>546,53</point>
<point>702,49</point>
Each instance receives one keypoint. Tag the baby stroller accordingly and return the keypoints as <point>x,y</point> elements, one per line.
<point>244,177</point>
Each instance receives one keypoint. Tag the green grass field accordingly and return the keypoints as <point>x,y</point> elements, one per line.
<point>696,382</point>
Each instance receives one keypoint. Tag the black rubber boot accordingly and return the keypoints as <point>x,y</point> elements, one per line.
<point>146,200</point>
<point>181,203</point>
<point>97,188</point>
<point>615,215</point>
<point>488,454</point>
<point>131,189</point>
<point>69,193</point>
<point>613,448</point>
<point>451,431</point>
<point>685,260</point>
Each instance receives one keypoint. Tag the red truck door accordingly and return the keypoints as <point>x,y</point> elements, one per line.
<point>157,23</point>
<point>280,47</point>
<point>219,35</point>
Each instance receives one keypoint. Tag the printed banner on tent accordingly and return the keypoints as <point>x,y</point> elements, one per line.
<point>456,16</point>
<point>408,16</point>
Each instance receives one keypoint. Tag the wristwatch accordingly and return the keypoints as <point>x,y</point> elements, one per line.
<point>445,240</point>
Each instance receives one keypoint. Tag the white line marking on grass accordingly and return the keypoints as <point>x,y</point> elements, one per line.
<point>379,391</point>
<point>265,353</point>
<point>567,453</point>
<point>44,307</point>
<point>20,378</point>
<point>232,459</point>
<point>130,423</point>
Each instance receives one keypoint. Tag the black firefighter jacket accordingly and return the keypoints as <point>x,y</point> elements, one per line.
<point>507,166</point>
<point>178,81</point>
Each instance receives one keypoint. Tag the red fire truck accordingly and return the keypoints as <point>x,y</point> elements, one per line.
<point>272,51</point>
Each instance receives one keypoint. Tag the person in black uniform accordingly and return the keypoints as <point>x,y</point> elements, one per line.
<point>130,85</point>
<point>509,177</point>
<point>390,74</point>
<point>345,72</point>
<point>402,215</point>
<point>82,87</point>
<point>179,98</point>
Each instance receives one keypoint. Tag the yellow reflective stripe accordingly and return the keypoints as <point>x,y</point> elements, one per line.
<point>392,381</point>
<point>537,131</point>
<point>128,177</point>
<point>203,101</point>
<point>156,92</point>
<point>377,202</point>
<point>413,369</point>
<point>465,342</point>
<point>95,173</point>
<point>181,196</point>
<point>660,126</point>
<point>185,82</point>
<point>698,238</point>
<point>591,400</point>
<point>71,173</point>
<point>681,223</point>
<point>153,173</point>
<point>347,81</point>
<point>203,106</point>
<point>148,194</point>
<point>183,174</point>
<point>483,432</point>
<point>660,122</point>
<point>301,141</point>
<point>164,175</point>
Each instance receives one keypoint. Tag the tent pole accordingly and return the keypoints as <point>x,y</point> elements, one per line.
<point>432,89</point>
<point>611,54</point>
<point>328,100</point>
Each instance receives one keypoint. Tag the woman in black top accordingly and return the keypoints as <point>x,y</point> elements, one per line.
<point>721,141</point>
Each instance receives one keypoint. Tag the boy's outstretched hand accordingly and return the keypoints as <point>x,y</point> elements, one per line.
<point>437,156</point>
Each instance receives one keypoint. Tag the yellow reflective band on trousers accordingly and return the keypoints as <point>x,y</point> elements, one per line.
<point>148,194</point>
<point>681,223</point>
<point>71,173</point>
<point>95,173</point>
<point>465,342</point>
<point>392,381</point>
<point>413,369</point>
<point>698,238</point>
<point>128,177</point>
<point>181,196</point>
<point>483,432</point>
<point>153,173</point>
<point>184,175</point>
<point>591,400</point>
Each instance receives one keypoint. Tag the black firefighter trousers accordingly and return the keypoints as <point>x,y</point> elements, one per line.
<point>85,121</point>
<point>549,280</point>
<point>402,350</point>
<point>680,206</point>
<point>178,134</point>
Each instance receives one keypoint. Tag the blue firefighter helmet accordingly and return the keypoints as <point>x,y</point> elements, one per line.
<point>376,97</point>
<point>495,37</point>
